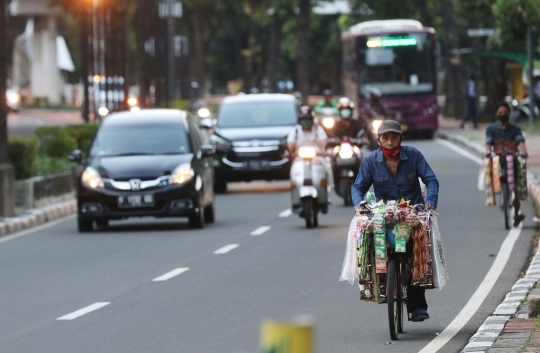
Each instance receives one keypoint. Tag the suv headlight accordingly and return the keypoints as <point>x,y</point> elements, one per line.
<point>91,178</point>
<point>182,174</point>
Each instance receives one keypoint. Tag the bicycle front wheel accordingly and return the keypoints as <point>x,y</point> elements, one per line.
<point>506,204</point>
<point>394,301</point>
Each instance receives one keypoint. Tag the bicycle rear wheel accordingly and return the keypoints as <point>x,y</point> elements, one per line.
<point>394,301</point>
<point>505,193</point>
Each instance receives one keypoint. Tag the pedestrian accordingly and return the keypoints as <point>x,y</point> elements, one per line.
<point>471,103</point>
<point>537,91</point>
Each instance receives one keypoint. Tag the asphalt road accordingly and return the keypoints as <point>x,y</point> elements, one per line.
<point>25,122</point>
<point>218,304</point>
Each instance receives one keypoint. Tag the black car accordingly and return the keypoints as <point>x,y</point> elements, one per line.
<point>250,136</point>
<point>149,163</point>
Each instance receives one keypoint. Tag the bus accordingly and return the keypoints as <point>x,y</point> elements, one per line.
<point>395,59</point>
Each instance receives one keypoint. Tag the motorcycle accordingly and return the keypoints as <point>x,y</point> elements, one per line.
<point>346,159</point>
<point>327,118</point>
<point>521,111</point>
<point>309,184</point>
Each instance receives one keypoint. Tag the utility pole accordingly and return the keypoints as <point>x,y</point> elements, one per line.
<point>7,174</point>
<point>530,61</point>
<point>83,13</point>
<point>170,9</point>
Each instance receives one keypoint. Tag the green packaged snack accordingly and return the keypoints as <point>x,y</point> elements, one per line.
<point>401,231</point>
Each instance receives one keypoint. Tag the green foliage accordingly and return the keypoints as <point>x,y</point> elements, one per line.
<point>48,165</point>
<point>513,17</point>
<point>22,153</point>
<point>54,141</point>
<point>83,135</point>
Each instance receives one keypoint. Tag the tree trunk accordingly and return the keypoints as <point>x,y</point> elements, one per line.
<point>3,79</point>
<point>199,58</point>
<point>453,90</point>
<point>425,16</point>
<point>302,60</point>
<point>273,55</point>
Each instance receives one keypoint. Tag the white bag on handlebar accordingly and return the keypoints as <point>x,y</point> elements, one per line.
<point>349,271</point>
<point>440,270</point>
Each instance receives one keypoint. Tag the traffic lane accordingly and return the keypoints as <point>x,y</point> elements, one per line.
<point>24,122</point>
<point>59,270</point>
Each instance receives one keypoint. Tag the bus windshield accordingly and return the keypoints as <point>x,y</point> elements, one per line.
<point>396,64</point>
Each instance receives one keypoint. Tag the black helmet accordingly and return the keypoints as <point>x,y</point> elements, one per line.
<point>327,93</point>
<point>305,113</point>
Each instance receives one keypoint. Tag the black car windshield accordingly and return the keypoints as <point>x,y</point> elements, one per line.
<point>140,140</point>
<point>256,114</point>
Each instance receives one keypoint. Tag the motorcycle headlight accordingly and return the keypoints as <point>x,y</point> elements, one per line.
<point>132,101</point>
<point>375,125</point>
<point>91,178</point>
<point>13,98</point>
<point>307,152</point>
<point>328,123</point>
<point>182,174</point>
<point>346,152</point>
<point>204,112</point>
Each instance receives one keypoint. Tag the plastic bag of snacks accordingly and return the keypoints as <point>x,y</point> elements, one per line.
<point>349,270</point>
<point>521,182</point>
<point>496,178</point>
<point>490,195</point>
<point>440,270</point>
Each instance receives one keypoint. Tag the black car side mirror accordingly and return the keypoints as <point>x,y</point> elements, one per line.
<point>76,156</point>
<point>208,150</point>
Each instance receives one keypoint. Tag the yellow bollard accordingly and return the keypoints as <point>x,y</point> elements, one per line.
<point>294,336</point>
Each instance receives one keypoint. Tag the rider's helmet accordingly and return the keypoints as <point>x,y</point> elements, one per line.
<point>298,96</point>
<point>306,117</point>
<point>327,95</point>
<point>375,94</point>
<point>345,107</point>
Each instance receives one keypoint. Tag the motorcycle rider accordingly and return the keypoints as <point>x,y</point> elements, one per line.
<point>306,131</point>
<point>376,108</point>
<point>505,137</point>
<point>393,170</point>
<point>347,125</point>
<point>327,102</point>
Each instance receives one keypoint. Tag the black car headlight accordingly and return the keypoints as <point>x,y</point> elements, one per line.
<point>182,174</point>
<point>91,178</point>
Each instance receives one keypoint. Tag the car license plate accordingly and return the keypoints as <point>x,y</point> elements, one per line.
<point>136,201</point>
<point>257,164</point>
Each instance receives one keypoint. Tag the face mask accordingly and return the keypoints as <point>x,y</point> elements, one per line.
<point>306,124</point>
<point>391,153</point>
<point>503,118</point>
<point>346,113</point>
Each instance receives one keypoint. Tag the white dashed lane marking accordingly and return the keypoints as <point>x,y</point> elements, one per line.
<point>225,249</point>
<point>285,213</point>
<point>171,274</point>
<point>83,311</point>
<point>260,230</point>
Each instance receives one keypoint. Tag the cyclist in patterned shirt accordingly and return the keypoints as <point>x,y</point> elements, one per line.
<point>505,138</point>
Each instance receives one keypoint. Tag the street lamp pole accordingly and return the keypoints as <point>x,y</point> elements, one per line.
<point>84,51</point>
<point>3,85</point>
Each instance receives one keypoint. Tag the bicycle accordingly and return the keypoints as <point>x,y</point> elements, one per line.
<point>506,194</point>
<point>397,279</point>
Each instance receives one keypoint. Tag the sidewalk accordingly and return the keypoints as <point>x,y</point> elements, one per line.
<point>509,329</point>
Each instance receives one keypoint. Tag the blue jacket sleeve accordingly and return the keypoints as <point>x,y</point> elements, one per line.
<point>362,184</point>
<point>429,178</point>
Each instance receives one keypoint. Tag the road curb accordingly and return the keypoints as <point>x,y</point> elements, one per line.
<point>34,217</point>
<point>494,325</point>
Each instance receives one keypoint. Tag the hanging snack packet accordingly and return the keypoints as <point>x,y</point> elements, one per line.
<point>401,230</point>
<point>510,178</point>
<point>490,195</point>
<point>379,230</point>
<point>496,179</point>
<point>522,191</point>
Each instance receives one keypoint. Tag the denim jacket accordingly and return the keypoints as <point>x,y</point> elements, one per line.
<point>412,165</point>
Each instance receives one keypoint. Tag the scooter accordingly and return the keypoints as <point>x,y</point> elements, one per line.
<point>346,159</point>
<point>521,111</point>
<point>327,118</point>
<point>309,184</point>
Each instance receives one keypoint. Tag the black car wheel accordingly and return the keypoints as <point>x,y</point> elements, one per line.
<point>85,225</point>
<point>102,223</point>
<point>209,213</point>
<point>220,186</point>
<point>197,220</point>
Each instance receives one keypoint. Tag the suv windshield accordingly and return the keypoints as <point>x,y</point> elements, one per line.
<point>256,114</point>
<point>140,140</point>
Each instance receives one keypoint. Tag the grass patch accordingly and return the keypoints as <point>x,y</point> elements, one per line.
<point>532,128</point>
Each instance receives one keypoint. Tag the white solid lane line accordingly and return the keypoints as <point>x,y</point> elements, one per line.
<point>83,311</point>
<point>487,283</point>
<point>171,274</point>
<point>225,249</point>
<point>285,213</point>
<point>260,230</point>
<point>36,229</point>
<point>461,151</point>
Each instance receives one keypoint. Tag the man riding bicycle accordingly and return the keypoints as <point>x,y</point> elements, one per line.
<point>393,170</point>
<point>504,138</point>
